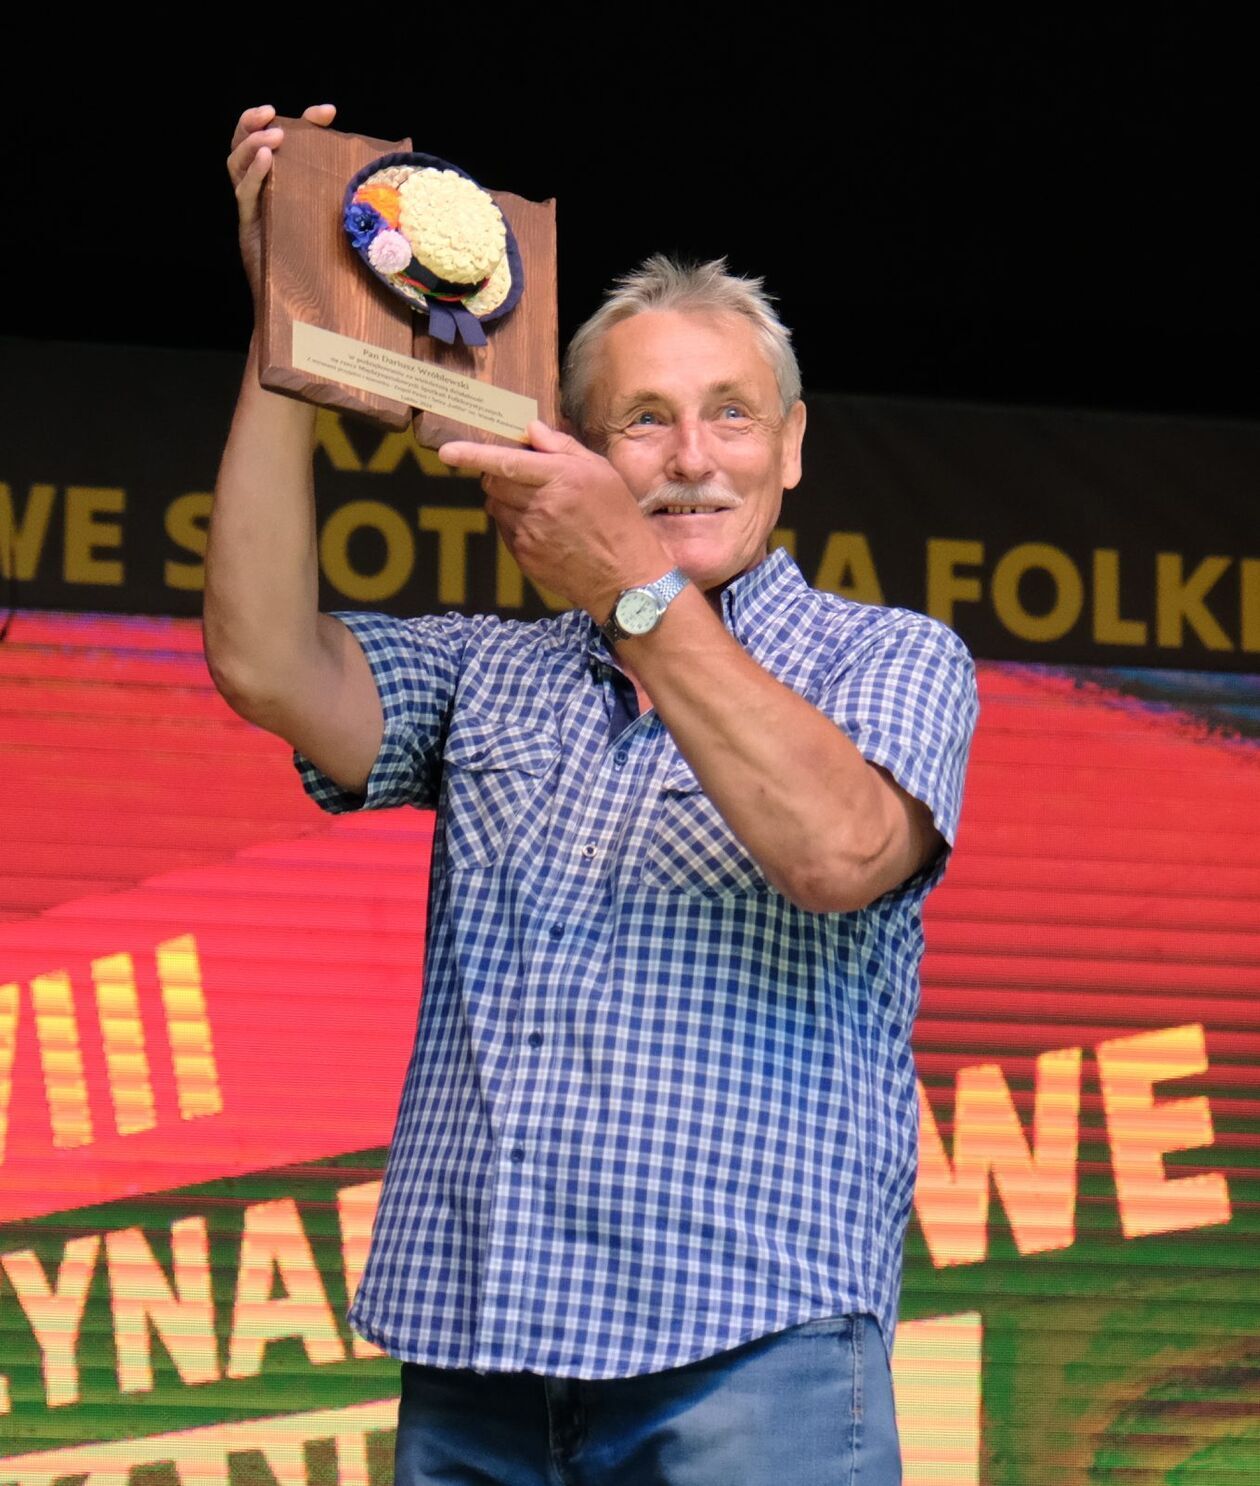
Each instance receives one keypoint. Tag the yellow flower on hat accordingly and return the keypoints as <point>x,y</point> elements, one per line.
<point>453,226</point>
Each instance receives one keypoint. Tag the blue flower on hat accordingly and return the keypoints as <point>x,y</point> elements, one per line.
<point>362,223</point>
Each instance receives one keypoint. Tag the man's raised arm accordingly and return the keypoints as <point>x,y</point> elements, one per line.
<point>275,658</point>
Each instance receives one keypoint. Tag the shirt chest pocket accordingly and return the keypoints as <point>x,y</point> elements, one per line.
<point>691,849</point>
<point>495,784</point>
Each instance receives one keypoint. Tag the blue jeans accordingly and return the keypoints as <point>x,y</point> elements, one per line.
<point>811,1406</point>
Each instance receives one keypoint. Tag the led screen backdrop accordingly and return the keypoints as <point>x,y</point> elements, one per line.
<point>207,992</point>
<point>207,988</point>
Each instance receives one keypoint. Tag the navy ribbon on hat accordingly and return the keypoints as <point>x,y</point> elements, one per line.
<point>450,321</point>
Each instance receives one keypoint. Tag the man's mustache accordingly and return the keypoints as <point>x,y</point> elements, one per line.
<point>675,493</point>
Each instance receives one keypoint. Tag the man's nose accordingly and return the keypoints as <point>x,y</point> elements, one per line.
<point>691,457</point>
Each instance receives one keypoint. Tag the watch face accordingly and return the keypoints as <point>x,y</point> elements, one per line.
<point>637,611</point>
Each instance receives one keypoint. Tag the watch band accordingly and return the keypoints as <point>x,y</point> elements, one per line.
<point>660,594</point>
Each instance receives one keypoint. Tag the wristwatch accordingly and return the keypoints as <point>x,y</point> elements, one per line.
<point>638,610</point>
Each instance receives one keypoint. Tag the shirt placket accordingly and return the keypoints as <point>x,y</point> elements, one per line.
<point>566,951</point>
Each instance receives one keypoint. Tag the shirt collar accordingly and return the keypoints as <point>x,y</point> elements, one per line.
<point>752,598</point>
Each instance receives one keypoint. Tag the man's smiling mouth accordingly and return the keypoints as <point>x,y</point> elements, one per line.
<point>677,500</point>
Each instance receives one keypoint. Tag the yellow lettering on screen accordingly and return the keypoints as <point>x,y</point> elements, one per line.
<point>330,436</point>
<point>1143,1131</point>
<point>785,537</point>
<point>334,550</point>
<point>946,586</point>
<point>453,525</point>
<point>141,1298</point>
<point>187,524</point>
<point>937,1376</point>
<point>1109,627</point>
<point>57,1031</point>
<point>847,568</point>
<point>353,1466</point>
<point>122,1037</point>
<point>274,1247</point>
<point>22,542</point>
<point>55,1312</point>
<point>1069,591</point>
<point>1180,601</point>
<point>204,1456</point>
<point>188,1028</point>
<point>509,584</point>
<point>1249,603</point>
<point>87,534</point>
<point>1037,1185</point>
<point>284,1461</point>
<point>356,1208</point>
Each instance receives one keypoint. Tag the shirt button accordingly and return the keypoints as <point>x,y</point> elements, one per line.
<point>535,1039</point>
<point>620,757</point>
<point>556,931</point>
<point>517,1154</point>
<point>589,850</point>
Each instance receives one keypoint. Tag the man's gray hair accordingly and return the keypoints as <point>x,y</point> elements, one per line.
<point>660,283</point>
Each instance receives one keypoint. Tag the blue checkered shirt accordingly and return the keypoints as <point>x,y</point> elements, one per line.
<point>654,1110</point>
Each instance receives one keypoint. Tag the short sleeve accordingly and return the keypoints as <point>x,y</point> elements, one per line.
<point>908,700</point>
<point>416,664</point>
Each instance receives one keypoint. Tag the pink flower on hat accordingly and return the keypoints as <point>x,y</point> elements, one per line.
<point>389,252</point>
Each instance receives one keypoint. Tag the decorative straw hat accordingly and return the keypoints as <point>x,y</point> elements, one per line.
<point>430,232</point>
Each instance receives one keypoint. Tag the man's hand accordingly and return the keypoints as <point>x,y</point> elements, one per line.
<point>567,517</point>
<point>253,144</point>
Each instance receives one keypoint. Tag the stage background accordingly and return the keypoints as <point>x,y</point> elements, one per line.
<point>207,988</point>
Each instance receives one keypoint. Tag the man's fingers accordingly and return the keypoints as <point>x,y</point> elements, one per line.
<point>550,440</point>
<point>249,186</point>
<point>533,466</point>
<point>500,514</point>
<point>512,495</point>
<point>251,120</point>
<point>242,159</point>
<point>519,466</point>
<point>255,130</point>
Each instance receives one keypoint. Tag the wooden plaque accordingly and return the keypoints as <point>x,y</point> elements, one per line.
<point>312,274</point>
<point>521,353</point>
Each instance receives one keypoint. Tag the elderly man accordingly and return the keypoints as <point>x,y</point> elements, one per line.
<point>643,1215</point>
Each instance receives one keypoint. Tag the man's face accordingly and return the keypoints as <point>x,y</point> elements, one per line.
<point>686,408</point>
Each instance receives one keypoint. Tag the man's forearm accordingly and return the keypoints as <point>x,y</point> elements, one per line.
<point>278,661</point>
<point>830,831</point>
<point>262,578</point>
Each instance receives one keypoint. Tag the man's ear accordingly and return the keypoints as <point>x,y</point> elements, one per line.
<point>793,435</point>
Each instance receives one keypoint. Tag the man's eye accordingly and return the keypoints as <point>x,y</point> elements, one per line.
<point>733,411</point>
<point>644,419</point>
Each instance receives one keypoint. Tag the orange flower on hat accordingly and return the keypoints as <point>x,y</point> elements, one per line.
<point>383,199</point>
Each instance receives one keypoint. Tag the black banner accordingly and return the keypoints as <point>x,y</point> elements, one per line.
<point>1062,536</point>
